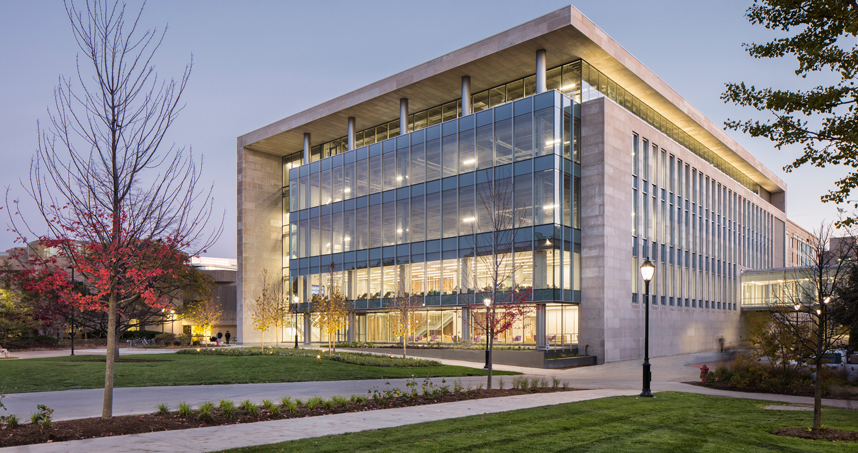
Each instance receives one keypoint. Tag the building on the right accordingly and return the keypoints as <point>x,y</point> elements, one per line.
<point>607,164</point>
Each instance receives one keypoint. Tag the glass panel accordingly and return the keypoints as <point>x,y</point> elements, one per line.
<point>362,228</point>
<point>480,101</point>
<point>433,160</point>
<point>315,236</point>
<point>418,279</point>
<point>389,171</point>
<point>523,137</point>
<point>375,226</point>
<point>484,206</point>
<point>515,90</point>
<point>467,216</point>
<point>523,201</point>
<point>544,132</point>
<point>497,96</point>
<point>523,277</point>
<point>325,239</point>
<point>315,189</point>
<point>348,181</point>
<point>543,197</point>
<point>349,230</point>
<point>402,165</point>
<point>503,142</point>
<point>374,282</point>
<point>327,190</point>
<point>433,216</point>
<point>418,219</point>
<point>530,86</point>
<point>485,147</point>
<point>419,121</point>
<point>337,228</point>
<point>434,116</point>
<point>451,111</point>
<point>418,164</point>
<point>389,224</point>
<point>362,178</point>
<point>467,159</point>
<point>552,79</point>
<point>402,221</point>
<point>449,212</point>
<point>576,203</point>
<point>375,174</point>
<point>450,156</point>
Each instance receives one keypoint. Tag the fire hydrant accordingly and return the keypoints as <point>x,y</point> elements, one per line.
<point>704,370</point>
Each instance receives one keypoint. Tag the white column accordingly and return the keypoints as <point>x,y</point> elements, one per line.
<point>467,108</point>
<point>307,327</point>
<point>540,327</point>
<point>541,85</point>
<point>403,116</point>
<point>352,133</point>
<point>306,148</point>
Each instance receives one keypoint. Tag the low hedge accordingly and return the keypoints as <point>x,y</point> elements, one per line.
<point>354,358</point>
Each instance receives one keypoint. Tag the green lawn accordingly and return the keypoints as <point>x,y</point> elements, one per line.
<point>672,422</point>
<point>62,373</point>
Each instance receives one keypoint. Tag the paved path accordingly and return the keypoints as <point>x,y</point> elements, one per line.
<point>232,436</point>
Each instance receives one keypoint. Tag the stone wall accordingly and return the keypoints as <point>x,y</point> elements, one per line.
<point>260,221</point>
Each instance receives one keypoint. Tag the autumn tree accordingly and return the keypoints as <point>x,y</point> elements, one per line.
<point>107,185</point>
<point>266,307</point>
<point>811,292</point>
<point>500,301</point>
<point>331,308</point>
<point>820,36</point>
<point>404,306</point>
<point>204,311</point>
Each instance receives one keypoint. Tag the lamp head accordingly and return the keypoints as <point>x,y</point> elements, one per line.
<point>295,299</point>
<point>647,270</point>
<point>487,301</point>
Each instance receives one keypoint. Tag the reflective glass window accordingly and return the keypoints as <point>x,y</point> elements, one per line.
<point>375,174</point>
<point>545,142</point>
<point>337,183</point>
<point>315,189</point>
<point>418,219</point>
<point>523,201</point>
<point>451,218</point>
<point>418,164</point>
<point>325,238</point>
<point>362,178</point>
<point>402,221</point>
<point>433,160</point>
<point>523,137</point>
<point>503,142</point>
<point>402,168</point>
<point>375,222</point>
<point>389,224</point>
<point>348,181</point>
<point>327,189</point>
<point>433,216</point>
<point>543,197</point>
<point>389,160</point>
<point>450,156</point>
<point>467,157</point>
<point>349,237</point>
<point>485,147</point>
<point>362,228</point>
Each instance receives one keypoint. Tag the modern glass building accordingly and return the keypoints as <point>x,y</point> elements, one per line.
<point>593,163</point>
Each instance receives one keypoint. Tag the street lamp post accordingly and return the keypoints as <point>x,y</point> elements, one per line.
<point>647,272</point>
<point>173,322</point>
<point>295,300</point>
<point>488,303</point>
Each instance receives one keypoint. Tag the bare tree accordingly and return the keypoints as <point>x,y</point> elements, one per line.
<point>331,307</point>
<point>105,183</point>
<point>499,301</point>
<point>404,306</point>
<point>266,309</point>
<point>811,292</point>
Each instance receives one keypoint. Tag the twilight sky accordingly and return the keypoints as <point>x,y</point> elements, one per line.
<point>257,62</point>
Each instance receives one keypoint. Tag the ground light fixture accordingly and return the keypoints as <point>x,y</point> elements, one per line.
<point>488,303</point>
<point>647,272</point>
<point>295,300</point>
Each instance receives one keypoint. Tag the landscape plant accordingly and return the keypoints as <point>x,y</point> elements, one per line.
<point>330,307</point>
<point>119,208</point>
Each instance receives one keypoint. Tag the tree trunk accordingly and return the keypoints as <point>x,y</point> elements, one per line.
<point>110,358</point>
<point>491,346</point>
<point>262,342</point>
<point>817,396</point>
<point>404,347</point>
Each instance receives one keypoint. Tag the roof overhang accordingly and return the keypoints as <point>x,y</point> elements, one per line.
<point>566,34</point>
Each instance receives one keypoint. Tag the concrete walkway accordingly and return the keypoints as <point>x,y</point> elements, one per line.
<point>232,436</point>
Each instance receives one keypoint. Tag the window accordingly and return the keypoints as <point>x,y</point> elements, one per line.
<point>523,137</point>
<point>503,142</point>
<point>485,147</point>
<point>467,157</point>
<point>433,160</point>
<point>418,164</point>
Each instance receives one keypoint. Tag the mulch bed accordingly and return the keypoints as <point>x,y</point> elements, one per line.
<point>725,386</point>
<point>817,434</point>
<point>136,424</point>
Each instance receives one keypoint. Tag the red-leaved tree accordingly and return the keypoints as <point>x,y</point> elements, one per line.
<point>121,206</point>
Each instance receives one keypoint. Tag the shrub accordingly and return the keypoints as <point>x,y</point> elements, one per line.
<point>519,383</point>
<point>339,401</point>
<point>290,405</point>
<point>184,409</point>
<point>501,383</point>
<point>270,407</point>
<point>164,338</point>
<point>12,421</point>
<point>205,412</point>
<point>42,416</point>
<point>162,409</point>
<point>314,402</point>
<point>555,382</point>
<point>227,408</point>
<point>134,334</point>
<point>329,404</point>
<point>248,407</point>
<point>357,399</point>
<point>37,341</point>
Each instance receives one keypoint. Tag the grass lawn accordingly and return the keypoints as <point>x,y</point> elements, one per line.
<point>672,422</point>
<point>63,373</point>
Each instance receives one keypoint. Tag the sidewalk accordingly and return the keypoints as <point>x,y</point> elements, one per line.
<point>232,436</point>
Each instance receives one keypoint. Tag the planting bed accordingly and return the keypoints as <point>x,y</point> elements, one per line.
<point>135,424</point>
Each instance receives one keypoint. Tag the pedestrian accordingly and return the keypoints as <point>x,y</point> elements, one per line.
<point>227,337</point>
<point>219,336</point>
